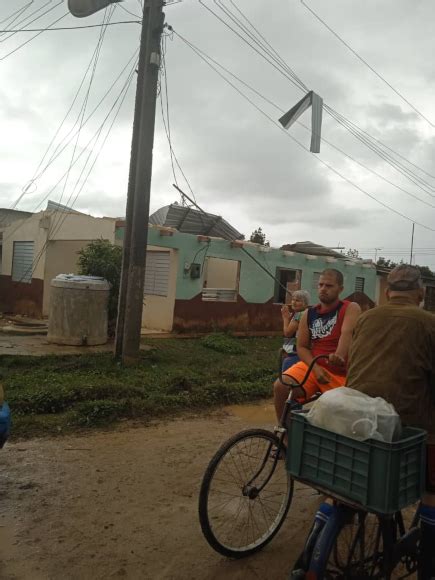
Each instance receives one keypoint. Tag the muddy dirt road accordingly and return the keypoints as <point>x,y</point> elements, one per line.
<point>123,504</point>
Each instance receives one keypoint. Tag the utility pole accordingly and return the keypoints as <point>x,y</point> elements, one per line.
<point>376,253</point>
<point>131,293</point>
<point>412,242</point>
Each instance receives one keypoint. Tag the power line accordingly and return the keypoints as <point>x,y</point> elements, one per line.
<point>121,101</point>
<point>33,37</point>
<point>108,13</point>
<point>58,151</point>
<point>367,140</point>
<point>128,11</point>
<point>369,66</point>
<point>29,16</point>
<point>74,27</point>
<point>56,226</point>
<point>289,135</point>
<point>166,124</point>
<point>283,68</point>
<point>399,167</point>
<point>32,180</point>
<point>17,12</point>
<point>291,76</point>
<point>95,136</point>
<point>19,23</point>
<point>255,91</point>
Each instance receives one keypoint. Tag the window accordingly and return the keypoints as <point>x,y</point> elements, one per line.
<point>22,262</point>
<point>157,273</point>
<point>359,284</point>
<point>316,277</point>
<point>221,280</point>
<point>290,280</point>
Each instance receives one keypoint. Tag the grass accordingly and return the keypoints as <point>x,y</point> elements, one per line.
<point>61,394</point>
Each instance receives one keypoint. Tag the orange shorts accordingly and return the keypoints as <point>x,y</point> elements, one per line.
<point>312,386</point>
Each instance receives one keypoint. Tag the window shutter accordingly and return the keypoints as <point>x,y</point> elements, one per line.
<point>157,273</point>
<point>359,284</point>
<point>22,262</point>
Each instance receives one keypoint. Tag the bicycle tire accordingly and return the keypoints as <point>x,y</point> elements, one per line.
<point>270,501</point>
<point>350,546</point>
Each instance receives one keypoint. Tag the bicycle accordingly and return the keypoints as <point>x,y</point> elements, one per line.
<point>356,544</point>
<point>357,541</point>
<point>246,491</point>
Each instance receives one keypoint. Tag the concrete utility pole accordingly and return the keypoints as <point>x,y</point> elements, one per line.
<point>412,242</point>
<point>376,254</point>
<point>139,184</point>
<point>131,292</point>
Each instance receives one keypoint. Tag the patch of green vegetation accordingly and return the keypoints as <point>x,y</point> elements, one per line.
<point>225,343</point>
<point>60,394</point>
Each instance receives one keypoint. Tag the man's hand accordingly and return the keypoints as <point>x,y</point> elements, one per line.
<point>337,360</point>
<point>322,375</point>
<point>298,393</point>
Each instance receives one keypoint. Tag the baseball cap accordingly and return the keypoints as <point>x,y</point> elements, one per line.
<point>404,278</point>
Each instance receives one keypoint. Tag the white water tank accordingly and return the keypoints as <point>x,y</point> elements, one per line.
<point>78,310</point>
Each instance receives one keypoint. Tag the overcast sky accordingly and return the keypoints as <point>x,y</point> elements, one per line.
<point>238,163</point>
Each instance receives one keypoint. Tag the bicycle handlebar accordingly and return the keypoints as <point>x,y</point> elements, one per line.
<point>310,368</point>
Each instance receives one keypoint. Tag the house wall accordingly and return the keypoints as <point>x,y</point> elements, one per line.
<point>76,230</point>
<point>158,311</point>
<point>19,297</point>
<point>84,227</point>
<point>254,308</point>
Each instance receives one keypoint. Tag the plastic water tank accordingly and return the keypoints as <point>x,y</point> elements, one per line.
<point>78,310</point>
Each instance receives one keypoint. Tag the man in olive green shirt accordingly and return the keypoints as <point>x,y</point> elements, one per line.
<point>393,356</point>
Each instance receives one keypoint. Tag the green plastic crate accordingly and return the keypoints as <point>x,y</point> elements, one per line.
<point>382,477</point>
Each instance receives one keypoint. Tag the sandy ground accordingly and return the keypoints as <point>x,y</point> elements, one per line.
<point>123,504</point>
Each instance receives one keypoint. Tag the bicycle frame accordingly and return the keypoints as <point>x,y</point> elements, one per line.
<point>291,405</point>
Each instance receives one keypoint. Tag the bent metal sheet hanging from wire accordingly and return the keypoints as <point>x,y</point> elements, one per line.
<point>84,8</point>
<point>314,101</point>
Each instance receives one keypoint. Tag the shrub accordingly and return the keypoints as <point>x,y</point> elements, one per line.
<point>101,258</point>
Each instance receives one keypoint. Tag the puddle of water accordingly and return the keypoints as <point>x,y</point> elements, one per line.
<point>257,414</point>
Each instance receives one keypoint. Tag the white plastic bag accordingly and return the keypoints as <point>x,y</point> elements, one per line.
<point>356,415</point>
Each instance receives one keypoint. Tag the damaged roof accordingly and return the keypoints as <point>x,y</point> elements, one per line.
<point>191,221</point>
<point>313,249</point>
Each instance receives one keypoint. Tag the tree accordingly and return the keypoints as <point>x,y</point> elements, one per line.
<point>258,237</point>
<point>101,258</point>
<point>384,263</point>
<point>352,254</point>
<point>425,271</point>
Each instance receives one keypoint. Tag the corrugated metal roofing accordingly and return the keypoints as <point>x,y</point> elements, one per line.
<point>313,249</point>
<point>191,221</point>
<point>54,206</point>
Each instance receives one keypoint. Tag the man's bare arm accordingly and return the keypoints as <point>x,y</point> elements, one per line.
<point>351,316</point>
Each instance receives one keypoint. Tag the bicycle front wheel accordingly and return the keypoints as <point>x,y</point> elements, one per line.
<point>245,494</point>
<point>350,546</point>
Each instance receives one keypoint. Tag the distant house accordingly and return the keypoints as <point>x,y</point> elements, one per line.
<point>196,282</point>
<point>200,275</point>
<point>37,247</point>
<point>381,287</point>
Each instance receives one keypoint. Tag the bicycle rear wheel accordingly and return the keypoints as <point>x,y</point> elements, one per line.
<point>350,546</point>
<point>237,517</point>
